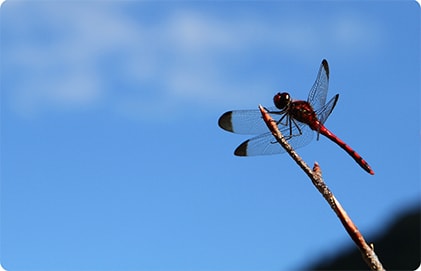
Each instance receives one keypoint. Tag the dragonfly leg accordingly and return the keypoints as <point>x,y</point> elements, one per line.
<point>277,112</point>
<point>298,127</point>
<point>293,122</point>
<point>281,119</point>
<point>288,122</point>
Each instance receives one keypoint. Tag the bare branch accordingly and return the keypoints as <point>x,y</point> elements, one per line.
<point>315,176</point>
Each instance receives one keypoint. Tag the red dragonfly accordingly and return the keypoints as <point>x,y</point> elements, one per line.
<point>296,120</point>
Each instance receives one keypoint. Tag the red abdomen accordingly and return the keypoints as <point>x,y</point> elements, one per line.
<point>324,131</point>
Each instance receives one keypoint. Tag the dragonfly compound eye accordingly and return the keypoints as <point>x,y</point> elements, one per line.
<point>281,100</point>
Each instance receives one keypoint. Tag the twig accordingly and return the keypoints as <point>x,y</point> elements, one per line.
<point>315,176</point>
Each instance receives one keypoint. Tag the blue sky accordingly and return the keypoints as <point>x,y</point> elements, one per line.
<point>111,157</point>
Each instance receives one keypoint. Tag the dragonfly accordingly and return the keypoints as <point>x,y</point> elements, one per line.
<point>297,120</point>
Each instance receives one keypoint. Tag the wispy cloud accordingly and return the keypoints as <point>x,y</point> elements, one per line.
<point>76,55</point>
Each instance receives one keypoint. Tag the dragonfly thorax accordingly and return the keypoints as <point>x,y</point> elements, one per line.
<point>282,100</point>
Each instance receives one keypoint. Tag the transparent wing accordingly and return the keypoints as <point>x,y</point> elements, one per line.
<point>318,93</point>
<point>247,122</point>
<point>265,144</point>
<point>324,112</point>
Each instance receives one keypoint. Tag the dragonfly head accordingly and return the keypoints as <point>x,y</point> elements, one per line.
<point>282,100</point>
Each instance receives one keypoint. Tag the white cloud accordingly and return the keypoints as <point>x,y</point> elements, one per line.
<point>94,54</point>
<point>355,34</point>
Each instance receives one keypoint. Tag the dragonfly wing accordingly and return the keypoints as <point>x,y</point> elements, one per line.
<point>260,145</point>
<point>265,144</point>
<point>324,112</point>
<point>318,93</point>
<point>247,122</point>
